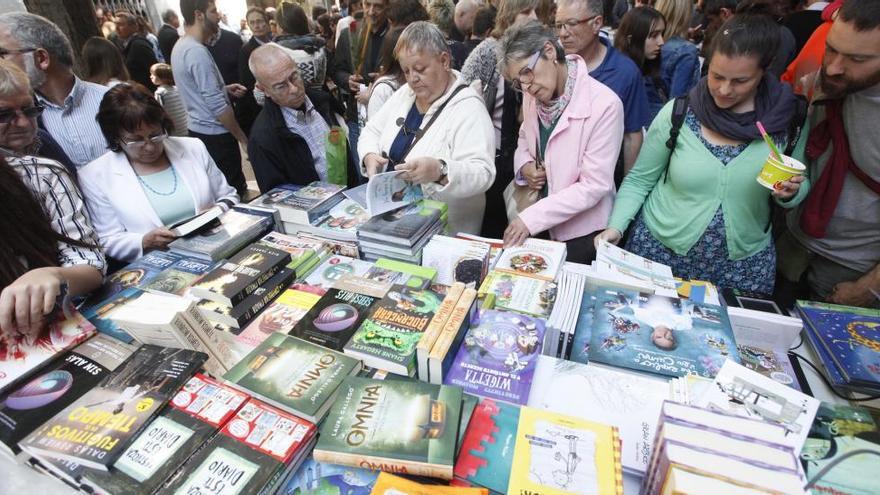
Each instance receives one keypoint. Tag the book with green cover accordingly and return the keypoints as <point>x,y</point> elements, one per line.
<point>293,374</point>
<point>399,272</point>
<point>400,426</point>
<point>388,337</point>
<point>519,293</point>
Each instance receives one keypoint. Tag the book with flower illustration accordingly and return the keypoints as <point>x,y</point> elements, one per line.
<point>22,354</point>
<point>537,258</point>
<point>518,293</point>
<point>658,334</point>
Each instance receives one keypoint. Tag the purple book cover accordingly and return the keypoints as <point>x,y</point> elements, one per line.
<point>498,356</point>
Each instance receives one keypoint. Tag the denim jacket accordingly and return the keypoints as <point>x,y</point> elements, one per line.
<point>679,66</point>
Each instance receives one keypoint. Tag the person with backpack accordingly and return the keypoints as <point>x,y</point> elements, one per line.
<point>692,197</point>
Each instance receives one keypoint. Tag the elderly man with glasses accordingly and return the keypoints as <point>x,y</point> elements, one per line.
<point>578,23</point>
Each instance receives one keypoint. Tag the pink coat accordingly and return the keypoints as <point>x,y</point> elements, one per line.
<point>580,158</point>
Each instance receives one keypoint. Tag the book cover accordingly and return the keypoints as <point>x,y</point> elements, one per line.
<point>136,274</point>
<point>344,219</point>
<point>177,278</point>
<point>851,336</point>
<point>774,365</point>
<point>387,191</point>
<point>242,313</point>
<point>580,347</point>
<point>101,315</point>
<point>26,407</point>
<point>334,268</point>
<point>412,275</point>
<point>23,354</point>
<point>252,453</point>
<point>521,294</point>
<point>400,426</point>
<point>743,392</point>
<point>486,455</point>
<point>627,267</point>
<point>335,317</point>
<point>293,374</point>
<point>281,316</point>
<point>401,226</point>
<point>435,327</point>
<point>390,484</point>
<point>388,337</point>
<point>445,349</point>
<point>658,334</point>
<point>457,260</point>
<point>234,280</point>
<point>557,454</point>
<point>235,230</point>
<point>534,258</point>
<point>498,356</point>
<point>95,429</point>
<point>195,413</point>
<point>301,250</point>
<point>627,400</point>
<point>837,430</point>
<point>318,478</point>
<point>309,203</point>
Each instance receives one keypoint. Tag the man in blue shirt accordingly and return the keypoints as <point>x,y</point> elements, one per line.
<point>578,23</point>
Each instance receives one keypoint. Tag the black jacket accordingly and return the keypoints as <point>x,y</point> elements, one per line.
<point>167,38</point>
<point>139,57</point>
<point>279,156</point>
<point>247,109</point>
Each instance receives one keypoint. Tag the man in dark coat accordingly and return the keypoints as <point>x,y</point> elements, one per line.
<point>136,49</point>
<point>168,33</point>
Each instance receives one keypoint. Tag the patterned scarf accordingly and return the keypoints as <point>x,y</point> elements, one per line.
<point>550,112</point>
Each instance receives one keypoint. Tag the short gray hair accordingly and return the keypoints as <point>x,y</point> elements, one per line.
<point>13,81</point>
<point>168,15</point>
<point>33,31</point>
<point>422,37</point>
<point>522,41</point>
<point>594,7</point>
<point>270,51</point>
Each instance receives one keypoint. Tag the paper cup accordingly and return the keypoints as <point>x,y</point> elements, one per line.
<point>774,173</point>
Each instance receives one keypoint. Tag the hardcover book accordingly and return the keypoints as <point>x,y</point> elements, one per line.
<point>388,337</point>
<point>658,334</point>
<point>192,417</point>
<point>521,294</point>
<point>335,317</point>
<point>281,316</point>
<point>233,281</point>
<point>318,478</point>
<point>96,428</point>
<point>334,268</point>
<point>177,278</point>
<point>136,274</point>
<point>534,258</point>
<point>252,454</point>
<point>487,448</point>
<point>498,356</point>
<point>235,230</point>
<point>403,226</point>
<point>23,354</point>
<point>294,375</point>
<point>26,407</point>
<point>400,426</point>
<point>432,333</point>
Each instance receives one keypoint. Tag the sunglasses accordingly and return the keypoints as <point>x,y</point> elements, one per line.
<point>8,115</point>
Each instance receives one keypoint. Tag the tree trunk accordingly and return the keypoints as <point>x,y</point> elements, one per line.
<point>76,18</point>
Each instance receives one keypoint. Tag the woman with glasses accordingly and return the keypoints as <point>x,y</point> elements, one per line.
<point>568,143</point>
<point>147,180</point>
<point>434,129</point>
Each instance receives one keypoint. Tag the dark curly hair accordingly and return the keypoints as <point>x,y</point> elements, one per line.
<point>125,108</point>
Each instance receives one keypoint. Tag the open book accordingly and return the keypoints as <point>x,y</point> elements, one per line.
<point>631,270</point>
<point>386,192</point>
<point>195,223</point>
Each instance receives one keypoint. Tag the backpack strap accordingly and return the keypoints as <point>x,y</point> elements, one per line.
<point>679,110</point>
<point>796,126</point>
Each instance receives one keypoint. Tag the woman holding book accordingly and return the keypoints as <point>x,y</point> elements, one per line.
<point>568,143</point>
<point>48,241</point>
<point>435,130</point>
<point>148,179</point>
<point>698,207</point>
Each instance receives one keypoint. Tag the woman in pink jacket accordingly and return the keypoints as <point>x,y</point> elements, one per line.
<point>568,143</point>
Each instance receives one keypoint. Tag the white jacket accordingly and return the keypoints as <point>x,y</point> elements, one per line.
<point>120,210</point>
<point>462,136</point>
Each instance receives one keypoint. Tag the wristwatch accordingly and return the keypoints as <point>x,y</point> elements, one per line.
<point>444,170</point>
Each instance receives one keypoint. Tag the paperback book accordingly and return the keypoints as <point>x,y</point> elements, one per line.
<point>403,226</point>
<point>662,335</point>
<point>177,278</point>
<point>233,281</point>
<point>387,191</point>
<point>101,315</point>
<point>498,356</point>
<point>521,294</point>
<point>318,478</point>
<point>253,453</point>
<point>457,260</point>
<point>26,407</point>
<point>534,258</point>
<point>96,428</point>
<point>772,364</point>
<point>235,230</point>
<point>293,374</point>
<point>618,265</point>
<point>192,417</point>
<point>136,274</point>
<point>398,272</point>
<point>242,313</point>
<point>446,347</point>
<point>400,426</point>
<point>302,250</point>
<point>343,220</point>
<point>333,269</point>
<point>487,448</point>
<point>388,337</point>
<point>281,316</point>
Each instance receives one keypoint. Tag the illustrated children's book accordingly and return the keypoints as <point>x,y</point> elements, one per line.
<point>498,356</point>
<point>667,336</point>
<point>318,478</point>
<point>486,454</point>
<point>519,293</point>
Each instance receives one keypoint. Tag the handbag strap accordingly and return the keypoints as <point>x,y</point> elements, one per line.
<point>421,132</point>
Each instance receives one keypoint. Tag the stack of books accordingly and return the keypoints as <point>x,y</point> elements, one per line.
<point>620,267</point>
<point>699,451</point>
<point>236,229</point>
<point>301,206</point>
<point>341,223</point>
<point>563,319</point>
<point>402,233</point>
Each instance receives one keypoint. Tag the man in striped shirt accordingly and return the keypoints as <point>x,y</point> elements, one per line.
<point>41,49</point>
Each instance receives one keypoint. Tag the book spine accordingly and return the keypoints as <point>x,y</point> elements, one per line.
<point>203,331</point>
<point>423,349</point>
<point>265,298</point>
<point>186,334</point>
<point>254,285</point>
<point>374,463</point>
<point>440,357</point>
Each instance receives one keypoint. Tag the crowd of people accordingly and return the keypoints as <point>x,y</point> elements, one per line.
<point>576,120</point>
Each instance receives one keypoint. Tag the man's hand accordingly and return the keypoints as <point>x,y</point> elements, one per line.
<point>236,90</point>
<point>157,239</point>
<point>374,164</point>
<point>422,170</point>
<point>857,293</point>
<point>534,176</point>
<point>354,83</point>
<point>516,233</point>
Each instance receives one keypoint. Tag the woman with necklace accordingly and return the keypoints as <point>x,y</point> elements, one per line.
<point>148,179</point>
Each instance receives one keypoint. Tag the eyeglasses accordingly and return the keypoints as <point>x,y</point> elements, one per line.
<point>526,74</point>
<point>8,115</point>
<point>572,23</point>
<point>4,52</point>
<point>143,142</point>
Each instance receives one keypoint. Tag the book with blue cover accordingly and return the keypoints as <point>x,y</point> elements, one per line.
<point>658,334</point>
<point>318,478</point>
<point>136,274</point>
<point>851,338</point>
<point>579,351</point>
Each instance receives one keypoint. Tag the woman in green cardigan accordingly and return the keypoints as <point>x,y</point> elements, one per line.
<point>698,207</point>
